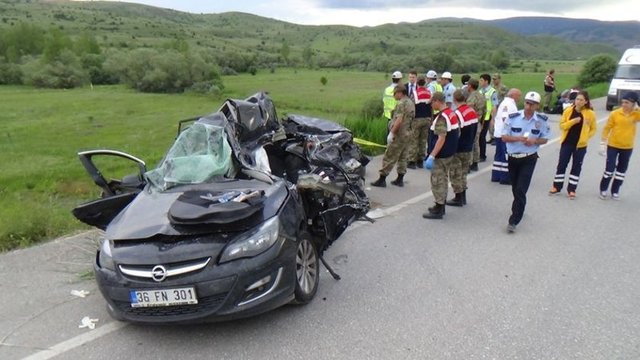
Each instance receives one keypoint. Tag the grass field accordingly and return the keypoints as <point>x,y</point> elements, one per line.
<point>41,132</point>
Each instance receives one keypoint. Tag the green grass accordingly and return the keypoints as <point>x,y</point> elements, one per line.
<point>41,132</point>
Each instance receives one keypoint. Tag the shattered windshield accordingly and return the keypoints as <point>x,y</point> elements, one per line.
<point>200,154</point>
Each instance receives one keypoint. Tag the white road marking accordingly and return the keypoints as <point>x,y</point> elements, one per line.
<point>79,340</point>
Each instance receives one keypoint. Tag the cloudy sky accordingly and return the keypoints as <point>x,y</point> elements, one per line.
<point>376,12</point>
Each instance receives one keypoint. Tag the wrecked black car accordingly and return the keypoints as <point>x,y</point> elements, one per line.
<point>234,220</point>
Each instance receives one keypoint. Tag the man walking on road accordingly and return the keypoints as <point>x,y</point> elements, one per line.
<point>523,132</point>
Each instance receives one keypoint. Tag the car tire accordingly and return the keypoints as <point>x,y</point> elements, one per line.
<point>307,270</point>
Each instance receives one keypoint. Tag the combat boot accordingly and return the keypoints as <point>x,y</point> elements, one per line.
<point>464,197</point>
<point>381,182</point>
<point>456,201</point>
<point>435,212</point>
<point>473,167</point>
<point>411,165</point>
<point>399,180</point>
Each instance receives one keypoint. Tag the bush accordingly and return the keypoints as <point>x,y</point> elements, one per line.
<point>93,65</point>
<point>374,130</point>
<point>372,109</point>
<point>10,74</point>
<point>597,69</point>
<point>323,80</point>
<point>205,87</point>
<point>228,71</point>
<point>168,71</point>
<point>63,73</point>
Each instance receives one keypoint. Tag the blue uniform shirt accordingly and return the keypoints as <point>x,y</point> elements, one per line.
<point>517,125</point>
<point>448,95</point>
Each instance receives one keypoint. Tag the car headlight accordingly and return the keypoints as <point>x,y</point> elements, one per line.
<point>254,243</point>
<point>105,259</point>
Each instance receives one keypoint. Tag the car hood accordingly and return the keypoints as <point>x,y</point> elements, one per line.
<point>154,213</point>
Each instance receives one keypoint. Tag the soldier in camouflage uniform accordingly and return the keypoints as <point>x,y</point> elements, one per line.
<point>476,100</point>
<point>398,139</point>
<point>443,144</point>
<point>420,125</point>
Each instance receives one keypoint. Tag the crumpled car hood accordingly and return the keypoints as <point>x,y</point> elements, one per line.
<point>148,214</point>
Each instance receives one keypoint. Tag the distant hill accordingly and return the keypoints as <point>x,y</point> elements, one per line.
<point>455,44</point>
<point>620,34</point>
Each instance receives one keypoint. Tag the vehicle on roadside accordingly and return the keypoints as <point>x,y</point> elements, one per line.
<point>234,220</point>
<point>626,77</point>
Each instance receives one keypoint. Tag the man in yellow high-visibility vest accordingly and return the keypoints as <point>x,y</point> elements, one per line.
<point>388,100</point>
<point>491,97</point>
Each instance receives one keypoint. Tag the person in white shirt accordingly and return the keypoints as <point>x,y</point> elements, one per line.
<point>500,168</point>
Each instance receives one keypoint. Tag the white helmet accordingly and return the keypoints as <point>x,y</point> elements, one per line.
<point>532,96</point>
<point>446,75</point>
<point>432,74</point>
<point>396,75</point>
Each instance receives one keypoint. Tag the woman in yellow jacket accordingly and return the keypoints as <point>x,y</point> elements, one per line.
<point>618,135</point>
<point>578,125</point>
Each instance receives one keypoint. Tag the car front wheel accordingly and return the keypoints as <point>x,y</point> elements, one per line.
<point>307,270</point>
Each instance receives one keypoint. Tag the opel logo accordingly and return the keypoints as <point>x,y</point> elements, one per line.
<point>158,273</point>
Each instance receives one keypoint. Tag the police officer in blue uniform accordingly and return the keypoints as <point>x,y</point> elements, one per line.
<point>523,133</point>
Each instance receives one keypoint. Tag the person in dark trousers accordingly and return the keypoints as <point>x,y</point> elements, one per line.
<point>523,132</point>
<point>443,143</point>
<point>618,136</point>
<point>468,123</point>
<point>577,126</point>
<point>549,88</point>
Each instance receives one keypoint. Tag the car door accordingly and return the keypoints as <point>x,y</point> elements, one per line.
<point>111,171</point>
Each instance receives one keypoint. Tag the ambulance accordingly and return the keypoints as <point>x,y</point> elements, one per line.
<point>626,78</point>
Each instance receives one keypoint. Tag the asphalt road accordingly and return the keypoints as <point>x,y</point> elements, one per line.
<point>564,286</point>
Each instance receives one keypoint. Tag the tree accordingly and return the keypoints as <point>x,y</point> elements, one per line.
<point>307,56</point>
<point>597,69</point>
<point>86,44</point>
<point>285,51</point>
<point>22,39</point>
<point>500,59</point>
<point>55,44</point>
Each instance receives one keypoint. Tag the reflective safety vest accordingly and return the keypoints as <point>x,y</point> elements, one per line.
<point>388,101</point>
<point>435,87</point>
<point>488,94</point>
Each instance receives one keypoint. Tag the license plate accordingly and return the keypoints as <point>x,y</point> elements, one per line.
<point>165,297</point>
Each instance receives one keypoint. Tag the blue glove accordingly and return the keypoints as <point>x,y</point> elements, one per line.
<point>428,164</point>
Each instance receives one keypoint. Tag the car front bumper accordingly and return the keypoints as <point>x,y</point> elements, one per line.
<point>224,291</point>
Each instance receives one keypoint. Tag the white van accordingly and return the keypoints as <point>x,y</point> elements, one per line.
<point>626,78</point>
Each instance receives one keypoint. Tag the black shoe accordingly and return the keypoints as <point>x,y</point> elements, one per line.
<point>435,212</point>
<point>474,166</point>
<point>483,159</point>
<point>411,165</point>
<point>456,201</point>
<point>398,181</point>
<point>381,182</point>
<point>505,182</point>
<point>492,141</point>
<point>419,164</point>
